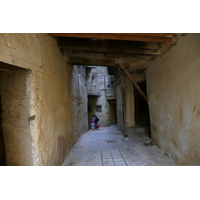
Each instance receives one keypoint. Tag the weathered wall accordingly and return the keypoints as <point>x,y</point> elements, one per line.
<point>120,109</point>
<point>174,100</point>
<point>104,115</point>
<point>110,87</point>
<point>80,102</point>
<point>92,78</point>
<point>129,107</point>
<point>50,128</point>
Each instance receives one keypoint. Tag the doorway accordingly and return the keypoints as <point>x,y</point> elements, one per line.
<point>92,101</point>
<point>112,111</point>
<point>2,146</point>
<point>141,107</point>
<point>15,136</point>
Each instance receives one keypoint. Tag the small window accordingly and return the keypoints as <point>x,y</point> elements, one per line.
<point>98,109</point>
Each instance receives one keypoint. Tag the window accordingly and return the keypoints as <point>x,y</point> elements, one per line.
<point>98,108</point>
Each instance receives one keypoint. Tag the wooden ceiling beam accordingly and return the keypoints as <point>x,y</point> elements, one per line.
<point>109,53</point>
<point>112,47</point>
<point>110,59</point>
<point>81,60</point>
<point>119,44</point>
<point>112,36</point>
<point>91,61</point>
<point>151,34</point>
<point>105,55</point>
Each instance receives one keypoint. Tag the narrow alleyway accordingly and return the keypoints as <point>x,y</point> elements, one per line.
<point>108,147</point>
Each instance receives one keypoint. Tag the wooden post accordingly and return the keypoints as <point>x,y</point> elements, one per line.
<point>133,81</point>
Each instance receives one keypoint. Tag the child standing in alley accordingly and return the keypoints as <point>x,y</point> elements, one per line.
<point>95,121</point>
<point>92,124</point>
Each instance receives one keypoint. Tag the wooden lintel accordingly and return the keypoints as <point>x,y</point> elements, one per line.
<point>109,52</point>
<point>108,47</point>
<point>113,36</point>
<point>151,34</point>
<point>111,58</point>
<point>6,66</point>
<point>91,61</point>
<point>133,81</point>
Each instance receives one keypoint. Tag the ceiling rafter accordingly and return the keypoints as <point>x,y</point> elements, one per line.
<point>134,50</point>
<point>113,36</point>
<point>108,46</point>
<point>151,34</point>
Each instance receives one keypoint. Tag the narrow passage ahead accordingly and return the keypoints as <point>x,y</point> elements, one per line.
<point>108,147</point>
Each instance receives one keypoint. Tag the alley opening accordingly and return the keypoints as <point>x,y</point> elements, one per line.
<point>110,95</point>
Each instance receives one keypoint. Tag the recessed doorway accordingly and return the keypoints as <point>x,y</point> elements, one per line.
<point>15,135</point>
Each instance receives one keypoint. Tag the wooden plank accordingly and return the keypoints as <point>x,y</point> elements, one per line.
<point>112,36</point>
<point>133,81</point>
<point>91,61</point>
<point>108,46</point>
<point>114,57</point>
<point>110,51</point>
<point>111,43</point>
<point>101,61</point>
<point>152,34</point>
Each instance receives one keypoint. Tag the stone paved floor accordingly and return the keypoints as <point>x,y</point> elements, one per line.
<point>108,147</point>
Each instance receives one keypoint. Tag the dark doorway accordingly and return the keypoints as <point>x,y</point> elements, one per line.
<point>112,111</point>
<point>2,146</point>
<point>141,107</point>
<point>15,133</point>
<point>92,101</point>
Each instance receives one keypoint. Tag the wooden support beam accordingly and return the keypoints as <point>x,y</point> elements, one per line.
<point>115,52</point>
<point>70,41</point>
<point>108,46</point>
<point>133,81</point>
<point>113,36</point>
<point>91,61</point>
<point>110,57</point>
<point>152,34</point>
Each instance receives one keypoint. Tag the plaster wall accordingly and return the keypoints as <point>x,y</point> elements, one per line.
<point>104,115</point>
<point>92,79</point>
<point>49,130</point>
<point>129,107</point>
<point>120,108</point>
<point>80,102</point>
<point>174,100</point>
